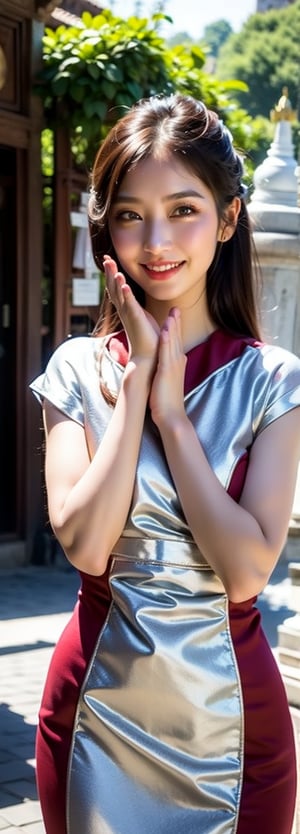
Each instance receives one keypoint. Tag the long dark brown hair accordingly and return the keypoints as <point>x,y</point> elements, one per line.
<point>180,126</point>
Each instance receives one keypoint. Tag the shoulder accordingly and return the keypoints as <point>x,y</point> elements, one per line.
<point>268,376</point>
<point>276,356</point>
<point>280,366</point>
<point>72,370</point>
<point>269,359</point>
<point>75,359</point>
<point>76,349</point>
<point>277,383</point>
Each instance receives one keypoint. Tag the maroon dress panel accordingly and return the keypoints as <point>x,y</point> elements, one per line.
<point>269,778</point>
<point>269,773</point>
<point>65,677</point>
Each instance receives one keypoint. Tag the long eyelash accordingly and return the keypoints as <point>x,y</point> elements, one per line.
<point>191,208</point>
<point>120,215</point>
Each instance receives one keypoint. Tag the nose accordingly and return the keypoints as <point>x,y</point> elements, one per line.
<point>157,237</point>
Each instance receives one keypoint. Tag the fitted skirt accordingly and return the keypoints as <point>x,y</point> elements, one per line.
<point>162,742</point>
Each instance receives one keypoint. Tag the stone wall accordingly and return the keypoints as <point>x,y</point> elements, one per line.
<point>265,5</point>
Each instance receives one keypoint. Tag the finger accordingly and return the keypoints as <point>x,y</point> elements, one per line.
<point>176,337</point>
<point>174,312</point>
<point>114,282</point>
<point>171,336</point>
<point>110,269</point>
<point>164,345</point>
<point>109,265</point>
<point>178,329</point>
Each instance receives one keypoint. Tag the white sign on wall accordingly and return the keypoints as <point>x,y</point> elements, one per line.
<point>85,292</point>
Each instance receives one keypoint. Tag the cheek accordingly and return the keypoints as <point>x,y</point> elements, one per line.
<point>204,237</point>
<point>195,240</point>
<point>125,241</point>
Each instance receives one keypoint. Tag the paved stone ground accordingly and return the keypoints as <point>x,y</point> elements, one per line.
<point>34,607</point>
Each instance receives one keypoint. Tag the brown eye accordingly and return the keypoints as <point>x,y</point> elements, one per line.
<point>125,216</point>
<point>184,211</point>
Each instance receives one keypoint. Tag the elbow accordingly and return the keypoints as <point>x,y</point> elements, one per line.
<point>83,555</point>
<point>238,593</point>
<point>247,585</point>
<point>92,561</point>
<point>248,574</point>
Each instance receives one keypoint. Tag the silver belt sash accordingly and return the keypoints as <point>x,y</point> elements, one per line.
<point>180,554</point>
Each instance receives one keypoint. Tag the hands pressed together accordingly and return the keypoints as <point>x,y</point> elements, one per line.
<point>160,347</point>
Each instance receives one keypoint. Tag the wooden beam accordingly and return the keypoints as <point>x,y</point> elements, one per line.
<point>62,230</point>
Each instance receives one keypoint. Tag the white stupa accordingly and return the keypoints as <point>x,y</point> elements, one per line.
<point>274,203</point>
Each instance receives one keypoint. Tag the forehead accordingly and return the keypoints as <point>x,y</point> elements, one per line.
<point>169,175</point>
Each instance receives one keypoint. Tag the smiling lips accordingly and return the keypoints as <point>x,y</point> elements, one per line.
<point>162,270</point>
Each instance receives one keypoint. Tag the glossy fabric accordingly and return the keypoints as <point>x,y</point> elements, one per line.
<point>157,701</point>
<point>175,696</point>
<point>228,409</point>
<point>269,753</point>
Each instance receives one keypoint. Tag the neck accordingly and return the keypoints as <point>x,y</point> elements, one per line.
<point>196,324</point>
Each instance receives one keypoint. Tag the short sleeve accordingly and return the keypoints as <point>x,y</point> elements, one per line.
<point>283,392</point>
<point>60,383</point>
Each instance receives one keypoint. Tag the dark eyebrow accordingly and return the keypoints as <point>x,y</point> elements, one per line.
<point>179,195</point>
<point>188,193</point>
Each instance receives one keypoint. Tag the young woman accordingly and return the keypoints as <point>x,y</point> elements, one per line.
<point>172,442</point>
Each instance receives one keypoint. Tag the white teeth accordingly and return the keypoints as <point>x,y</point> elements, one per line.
<point>163,267</point>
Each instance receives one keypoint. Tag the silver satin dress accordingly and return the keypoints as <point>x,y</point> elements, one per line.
<point>158,741</point>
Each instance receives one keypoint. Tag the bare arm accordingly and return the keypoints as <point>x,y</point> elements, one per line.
<point>241,542</point>
<point>89,500</point>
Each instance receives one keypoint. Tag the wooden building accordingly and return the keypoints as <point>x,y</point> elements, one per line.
<point>22,346</point>
<point>68,186</point>
<point>20,278</point>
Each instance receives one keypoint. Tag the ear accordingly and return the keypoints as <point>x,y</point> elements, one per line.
<point>228,223</point>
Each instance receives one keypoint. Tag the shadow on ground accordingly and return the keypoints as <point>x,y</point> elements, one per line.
<point>17,773</point>
<point>34,591</point>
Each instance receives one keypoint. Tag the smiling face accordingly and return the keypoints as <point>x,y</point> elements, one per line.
<point>164,228</point>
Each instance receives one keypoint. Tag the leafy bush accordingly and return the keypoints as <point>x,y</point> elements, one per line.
<point>265,55</point>
<point>93,72</point>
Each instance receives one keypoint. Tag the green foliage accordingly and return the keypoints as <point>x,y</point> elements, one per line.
<point>47,153</point>
<point>92,73</point>
<point>47,159</point>
<point>253,137</point>
<point>296,138</point>
<point>265,54</point>
<point>216,34</point>
<point>179,39</point>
